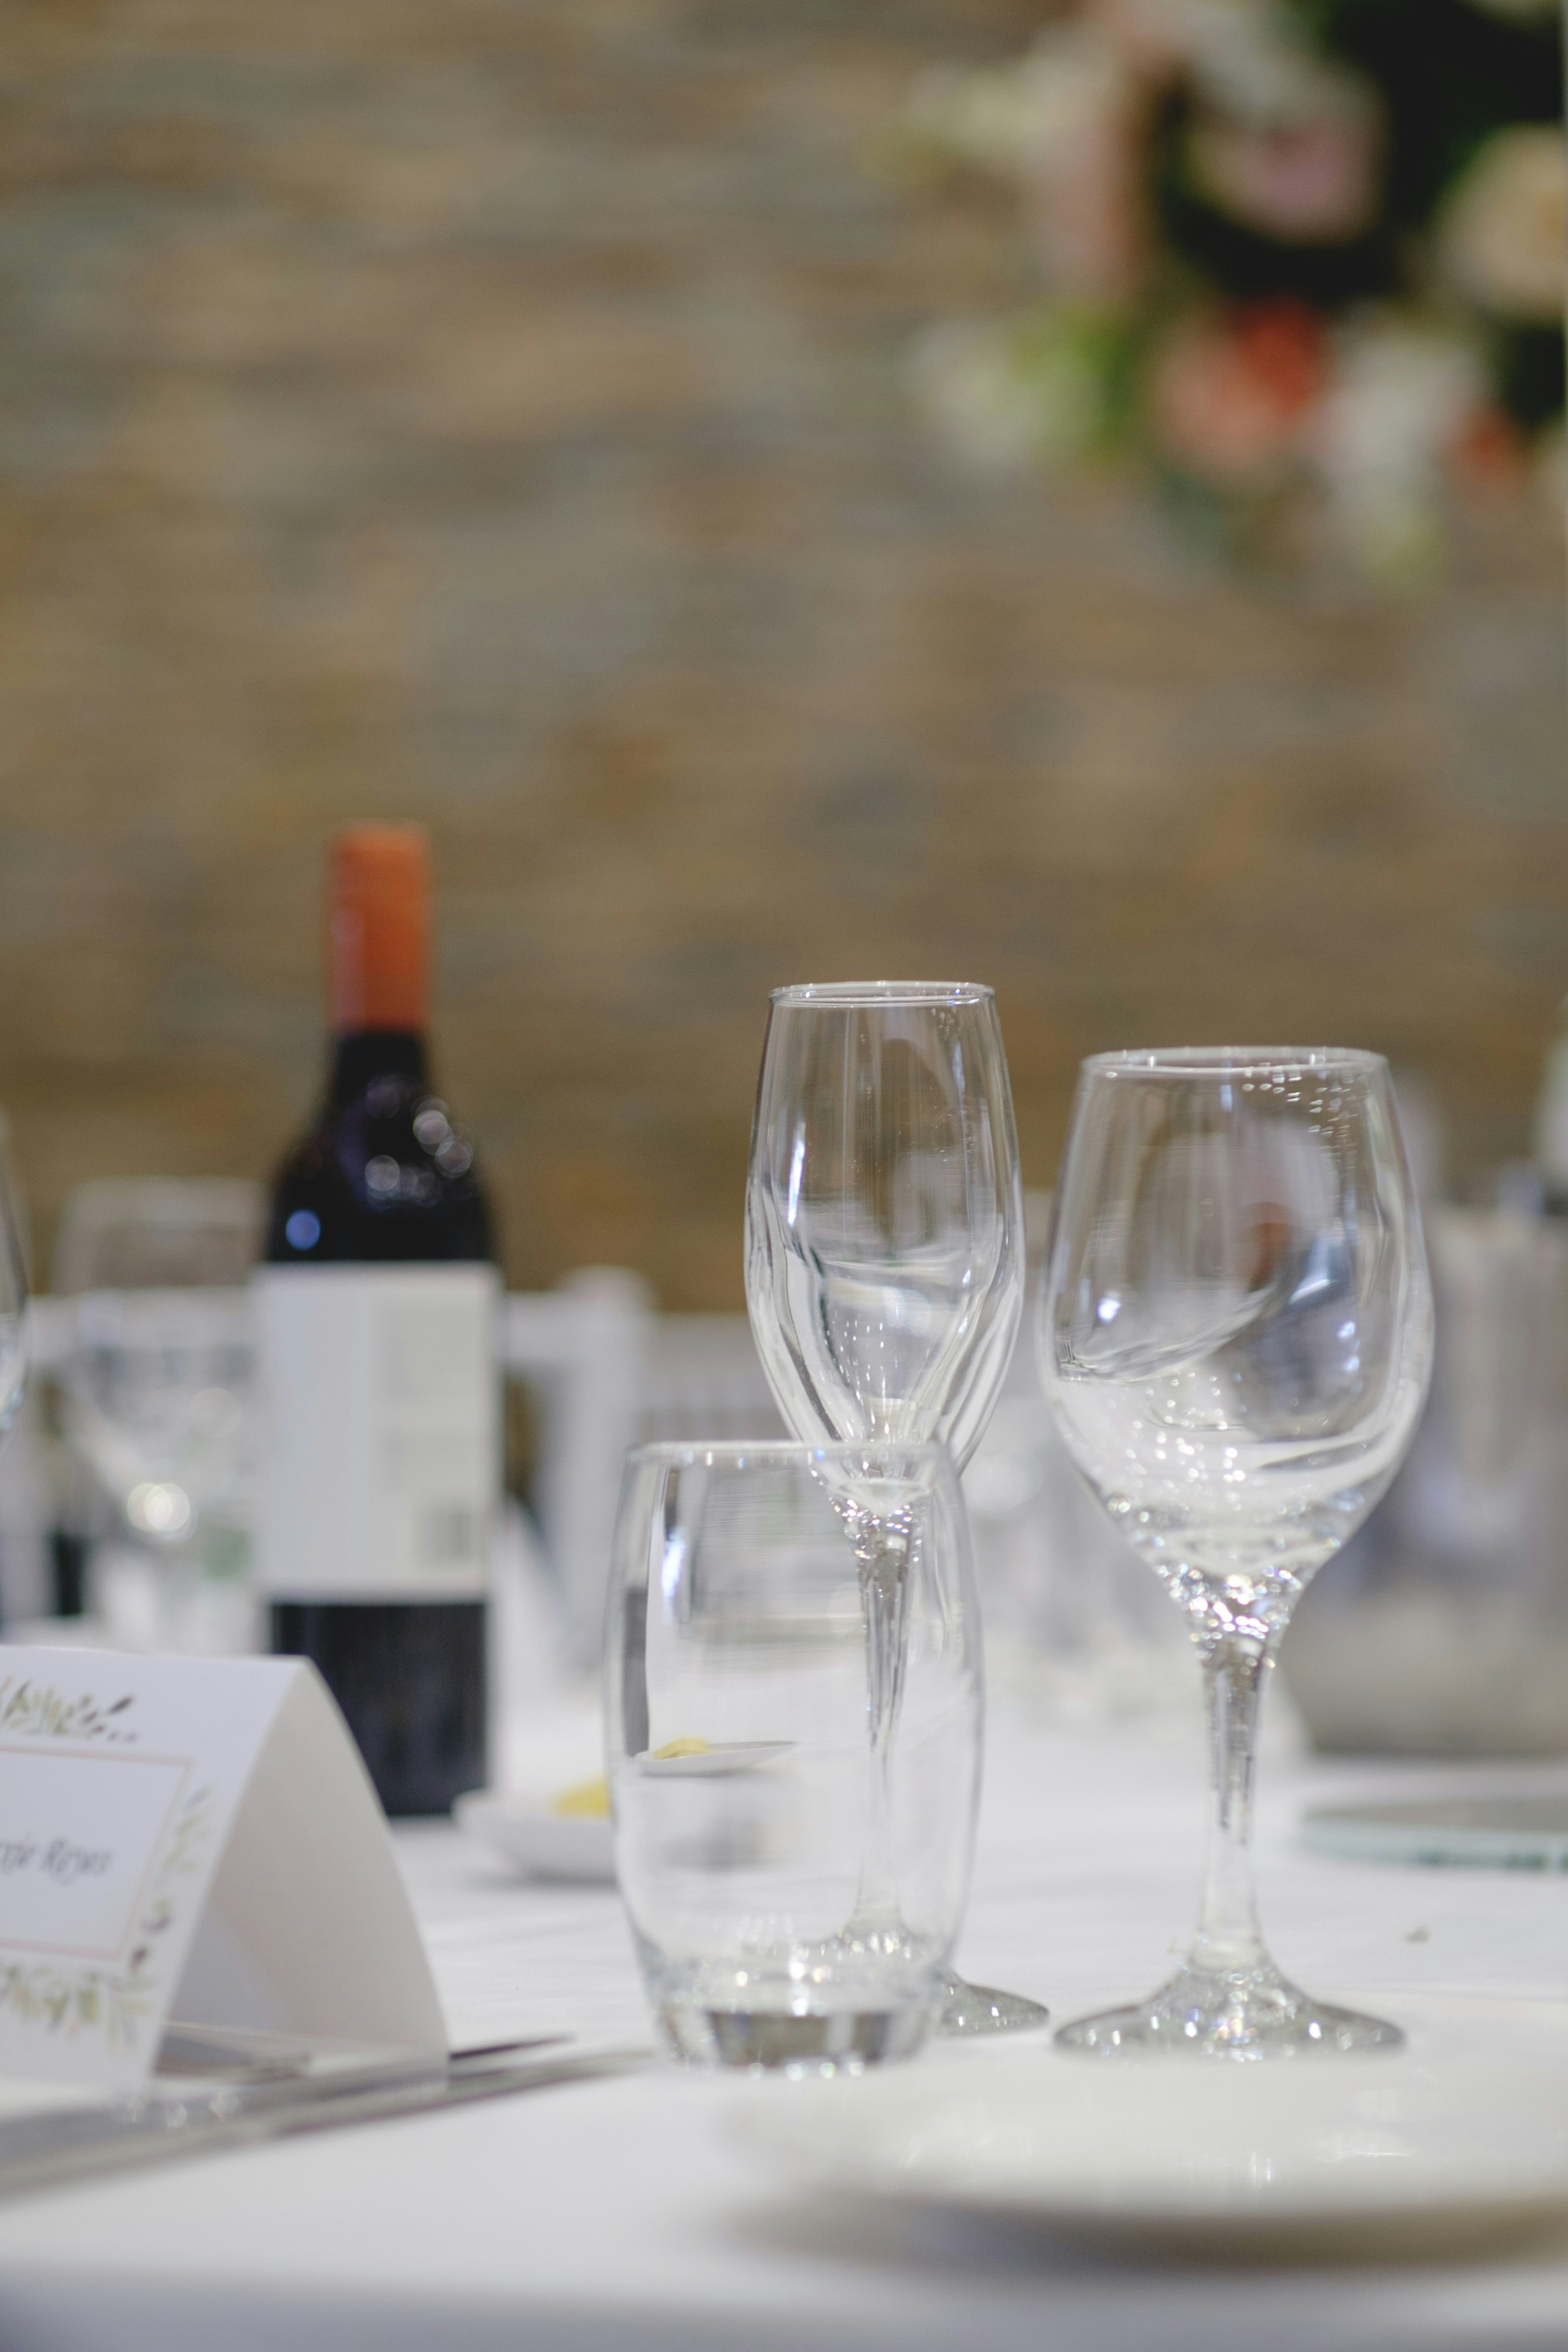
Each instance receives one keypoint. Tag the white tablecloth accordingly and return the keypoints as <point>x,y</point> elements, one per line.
<point>630,2213</point>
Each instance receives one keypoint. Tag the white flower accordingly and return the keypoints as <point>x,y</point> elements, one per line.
<point>1398,395</point>
<point>1162,37</point>
<point>1398,399</point>
<point>997,410</point>
<point>1064,123</point>
<point>970,391</point>
<point>1015,118</point>
<point>1503,234</point>
<point>1257,70</point>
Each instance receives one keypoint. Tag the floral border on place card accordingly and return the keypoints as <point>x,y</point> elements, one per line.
<point>116,2002</point>
<point>34,1709</point>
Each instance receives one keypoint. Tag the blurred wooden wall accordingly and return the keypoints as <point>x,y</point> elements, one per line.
<point>493,411</point>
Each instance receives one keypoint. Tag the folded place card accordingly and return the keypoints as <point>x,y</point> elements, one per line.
<point>191,1842</point>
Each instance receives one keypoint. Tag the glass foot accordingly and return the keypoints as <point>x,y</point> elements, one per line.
<point>1255,2014</point>
<point>772,2041</point>
<point>980,2009</point>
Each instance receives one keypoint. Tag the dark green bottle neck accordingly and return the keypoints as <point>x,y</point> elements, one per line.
<point>362,1056</point>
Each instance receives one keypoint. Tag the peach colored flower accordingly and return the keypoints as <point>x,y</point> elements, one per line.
<point>1231,395</point>
<point>1285,141</point>
<point>1305,183</point>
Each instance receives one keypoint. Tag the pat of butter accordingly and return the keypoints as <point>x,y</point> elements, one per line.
<point>585,1799</point>
<point>590,1799</point>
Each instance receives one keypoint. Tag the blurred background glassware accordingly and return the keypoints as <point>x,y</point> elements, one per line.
<point>1236,1334</point>
<point>1077,1633</point>
<point>1443,1627</point>
<point>736,1727</point>
<point>885,1263</point>
<point>158,1400</point>
<point>14,1286</point>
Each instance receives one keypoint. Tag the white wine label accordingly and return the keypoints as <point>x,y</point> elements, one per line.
<point>380,1465</point>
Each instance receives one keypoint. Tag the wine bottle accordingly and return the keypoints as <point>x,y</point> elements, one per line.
<point>376,1312</point>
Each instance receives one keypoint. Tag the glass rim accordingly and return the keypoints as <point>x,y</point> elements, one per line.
<point>853,994</point>
<point>1232,1061</point>
<point>711,1452</point>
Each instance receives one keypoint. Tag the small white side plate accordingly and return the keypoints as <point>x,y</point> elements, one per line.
<point>1463,2139</point>
<point>525,1832</point>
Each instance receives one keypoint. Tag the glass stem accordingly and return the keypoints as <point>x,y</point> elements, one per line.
<point>1228,1940</point>
<point>884,1589</point>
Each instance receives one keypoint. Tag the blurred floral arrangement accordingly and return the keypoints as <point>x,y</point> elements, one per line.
<point>1303,260</point>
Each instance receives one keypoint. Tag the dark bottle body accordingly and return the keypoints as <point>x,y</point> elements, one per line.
<point>384,1178</point>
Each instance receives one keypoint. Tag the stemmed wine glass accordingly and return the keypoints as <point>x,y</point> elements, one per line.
<point>1236,1336</point>
<point>884,1276</point>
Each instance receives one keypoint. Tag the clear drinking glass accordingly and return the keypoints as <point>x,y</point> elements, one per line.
<point>159,1384</point>
<point>884,1263</point>
<point>1236,1336</point>
<point>748,1810</point>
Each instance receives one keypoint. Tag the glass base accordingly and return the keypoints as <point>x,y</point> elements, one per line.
<point>968,2008</point>
<point>1252,2013</point>
<point>776,2042</point>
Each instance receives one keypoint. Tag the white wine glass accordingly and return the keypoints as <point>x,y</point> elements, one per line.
<point>1235,1338</point>
<point>885,1278</point>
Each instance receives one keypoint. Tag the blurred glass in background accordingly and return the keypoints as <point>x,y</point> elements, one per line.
<point>158,1400</point>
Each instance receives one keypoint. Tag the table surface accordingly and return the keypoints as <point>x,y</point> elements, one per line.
<point>630,2212</point>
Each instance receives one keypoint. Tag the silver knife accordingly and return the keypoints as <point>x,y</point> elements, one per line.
<point>156,2127</point>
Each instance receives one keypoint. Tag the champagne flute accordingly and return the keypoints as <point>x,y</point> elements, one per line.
<point>884,1277</point>
<point>1235,1336</point>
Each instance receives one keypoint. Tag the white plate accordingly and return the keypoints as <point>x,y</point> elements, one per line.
<point>527,1832</point>
<point>1460,2139</point>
